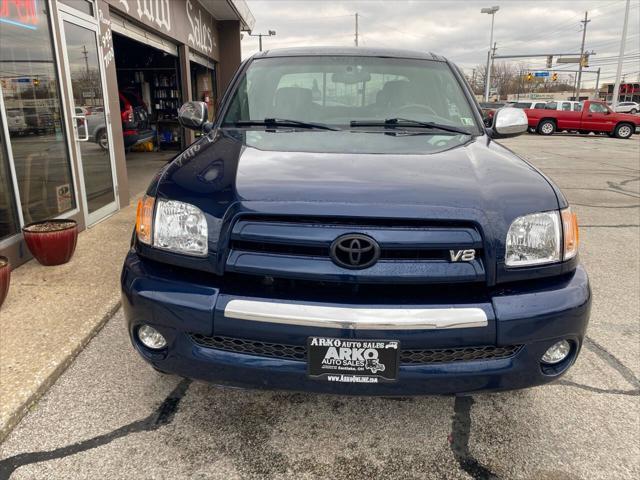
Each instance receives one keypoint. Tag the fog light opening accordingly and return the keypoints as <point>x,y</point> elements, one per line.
<point>556,352</point>
<point>151,338</point>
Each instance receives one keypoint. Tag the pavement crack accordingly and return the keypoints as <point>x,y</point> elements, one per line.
<point>162,415</point>
<point>610,190</point>
<point>605,206</point>
<point>620,185</point>
<point>459,440</point>
<point>616,364</point>
<point>610,391</point>
<point>624,225</point>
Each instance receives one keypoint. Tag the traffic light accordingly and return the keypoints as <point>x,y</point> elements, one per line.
<point>36,82</point>
<point>584,61</point>
<point>529,76</point>
<point>554,77</point>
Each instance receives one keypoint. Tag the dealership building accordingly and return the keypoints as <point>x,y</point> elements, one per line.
<point>83,82</point>
<point>629,92</point>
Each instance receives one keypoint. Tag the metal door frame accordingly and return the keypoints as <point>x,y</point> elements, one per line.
<point>68,14</point>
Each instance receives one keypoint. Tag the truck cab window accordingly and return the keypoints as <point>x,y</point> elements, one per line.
<point>597,108</point>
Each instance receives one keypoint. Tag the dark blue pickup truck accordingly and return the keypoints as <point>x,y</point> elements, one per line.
<point>349,225</point>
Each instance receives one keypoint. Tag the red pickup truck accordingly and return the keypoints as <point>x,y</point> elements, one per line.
<point>592,117</point>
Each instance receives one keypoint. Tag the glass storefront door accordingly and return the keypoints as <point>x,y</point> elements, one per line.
<point>92,130</point>
<point>33,137</point>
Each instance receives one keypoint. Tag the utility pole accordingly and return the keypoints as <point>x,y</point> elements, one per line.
<point>493,54</point>
<point>597,89</point>
<point>270,33</point>
<point>584,35</point>
<point>623,40</point>
<point>491,11</point>
<point>356,39</point>
<point>85,54</point>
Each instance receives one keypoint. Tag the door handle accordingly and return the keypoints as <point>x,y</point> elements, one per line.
<point>86,128</point>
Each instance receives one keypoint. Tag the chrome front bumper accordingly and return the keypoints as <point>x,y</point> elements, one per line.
<point>355,318</point>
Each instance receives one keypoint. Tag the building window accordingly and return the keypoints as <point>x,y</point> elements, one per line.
<point>9,224</point>
<point>31,93</point>
<point>85,6</point>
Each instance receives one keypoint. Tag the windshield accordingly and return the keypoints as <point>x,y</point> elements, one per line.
<point>337,90</point>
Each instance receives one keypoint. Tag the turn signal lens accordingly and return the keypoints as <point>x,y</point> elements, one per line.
<point>144,219</point>
<point>571,233</point>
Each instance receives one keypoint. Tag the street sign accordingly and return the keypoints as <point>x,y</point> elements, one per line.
<point>541,74</point>
<point>568,60</point>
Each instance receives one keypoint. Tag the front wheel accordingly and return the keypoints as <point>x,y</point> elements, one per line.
<point>634,110</point>
<point>103,140</point>
<point>546,127</point>
<point>624,131</point>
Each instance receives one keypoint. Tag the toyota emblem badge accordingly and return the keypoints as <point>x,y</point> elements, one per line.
<point>355,251</point>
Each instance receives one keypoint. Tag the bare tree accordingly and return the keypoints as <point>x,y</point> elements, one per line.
<point>511,78</point>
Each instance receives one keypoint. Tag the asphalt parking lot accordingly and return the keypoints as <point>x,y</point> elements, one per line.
<point>112,416</point>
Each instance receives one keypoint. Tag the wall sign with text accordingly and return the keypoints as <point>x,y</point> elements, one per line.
<point>184,20</point>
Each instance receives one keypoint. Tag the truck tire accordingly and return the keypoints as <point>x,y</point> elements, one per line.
<point>623,130</point>
<point>102,139</point>
<point>547,127</point>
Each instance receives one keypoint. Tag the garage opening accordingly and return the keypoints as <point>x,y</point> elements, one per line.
<point>203,83</point>
<point>149,95</point>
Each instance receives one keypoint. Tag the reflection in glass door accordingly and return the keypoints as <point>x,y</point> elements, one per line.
<point>91,129</point>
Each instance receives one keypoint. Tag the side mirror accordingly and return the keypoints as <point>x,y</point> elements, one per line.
<point>193,115</point>
<point>509,122</point>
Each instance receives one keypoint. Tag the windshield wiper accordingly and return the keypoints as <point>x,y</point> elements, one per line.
<point>407,122</point>
<point>284,122</point>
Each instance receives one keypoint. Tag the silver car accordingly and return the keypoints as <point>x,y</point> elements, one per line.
<point>628,107</point>
<point>96,125</point>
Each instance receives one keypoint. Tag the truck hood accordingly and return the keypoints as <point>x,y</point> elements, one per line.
<point>356,173</point>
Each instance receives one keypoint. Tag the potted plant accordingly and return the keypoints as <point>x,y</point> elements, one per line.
<point>52,242</point>
<point>5,278</point>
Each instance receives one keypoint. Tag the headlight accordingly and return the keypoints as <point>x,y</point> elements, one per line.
<point>533,240</point>
<point>180,227</point>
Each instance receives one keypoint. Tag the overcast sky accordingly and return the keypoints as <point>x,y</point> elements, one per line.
<point>457,29</point>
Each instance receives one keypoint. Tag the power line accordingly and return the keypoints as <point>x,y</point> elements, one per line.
<point>562,26</point>
<point>555,28</point>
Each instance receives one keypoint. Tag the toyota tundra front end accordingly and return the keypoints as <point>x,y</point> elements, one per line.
<point>348,225</point>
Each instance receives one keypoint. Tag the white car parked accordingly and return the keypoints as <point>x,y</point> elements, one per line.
<point>628,107</point>
<point>564,105</point>
<point>529,104</point>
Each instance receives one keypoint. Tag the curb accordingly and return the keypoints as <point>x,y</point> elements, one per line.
<point>22,410</point>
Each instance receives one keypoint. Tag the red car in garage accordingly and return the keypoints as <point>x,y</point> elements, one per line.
<point>592,117</point>
<point>135,120</point>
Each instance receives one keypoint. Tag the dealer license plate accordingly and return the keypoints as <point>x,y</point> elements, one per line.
<point>352,361</point>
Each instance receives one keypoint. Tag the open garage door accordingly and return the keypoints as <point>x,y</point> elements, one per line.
<point>134,32</point>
